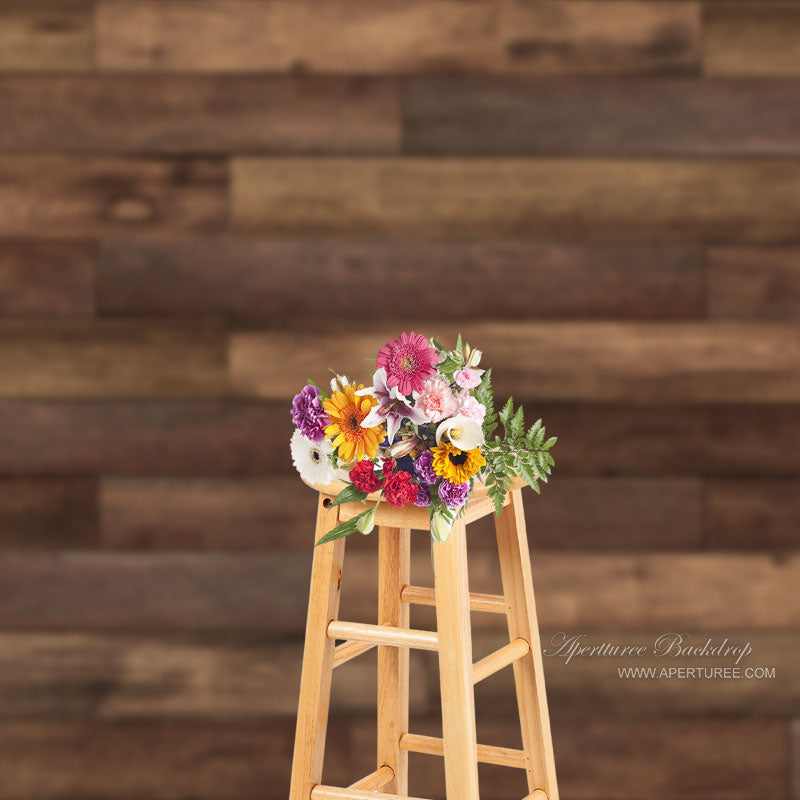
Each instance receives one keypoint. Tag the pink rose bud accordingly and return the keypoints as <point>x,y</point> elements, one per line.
<point>467,378</point>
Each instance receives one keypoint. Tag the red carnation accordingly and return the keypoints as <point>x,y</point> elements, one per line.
<point>387,467</point>
<point>364,478</point>
<point>399,491</point>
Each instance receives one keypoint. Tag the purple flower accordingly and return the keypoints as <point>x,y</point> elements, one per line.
<point>423,497</point>
<point>423,466</point>
<point>454,495</point>
<point>308,414</point>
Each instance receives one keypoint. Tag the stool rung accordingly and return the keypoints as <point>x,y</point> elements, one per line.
<point>422,596</point>
<point>375,780</point>
<point>383,634</point>
<point>536,794</point>
<point>487,753</point>
<point>508,654</point>
<point>320,792</point>
<point>348,650</point>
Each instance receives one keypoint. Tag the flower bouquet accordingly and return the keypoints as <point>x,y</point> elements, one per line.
<point>423,433</point>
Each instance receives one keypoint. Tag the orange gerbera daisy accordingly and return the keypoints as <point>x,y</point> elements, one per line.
<point>346,412</point>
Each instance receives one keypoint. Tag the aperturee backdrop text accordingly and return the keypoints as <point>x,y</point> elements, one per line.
<point>421,434</point>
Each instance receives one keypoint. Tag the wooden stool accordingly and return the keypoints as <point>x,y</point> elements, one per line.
<point>452,640</point>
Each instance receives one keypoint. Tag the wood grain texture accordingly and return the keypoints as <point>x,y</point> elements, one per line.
<point>70,198</point>
<point>161,759</point>
<point>751,39</point>
<point>753,515</point>
<point>265,279</point>
<point>589,199</point>
<point>46,279</point>
<point>595,362</point>
<point>247,592</point>
<point>754,283</point>
<point>111,359</point>
<point>198,114</point>
<point>46,35</point>
<point>496,37</point>
<point>48,513</point>
<point>188,437</point>
<point>604,117</point>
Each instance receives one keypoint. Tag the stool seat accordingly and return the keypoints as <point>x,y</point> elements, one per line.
<point>452,641</point>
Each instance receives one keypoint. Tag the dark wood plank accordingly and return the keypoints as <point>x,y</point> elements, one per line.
<point>112,358</point>
<point>46,35</point>
<point>602,117</point>
<point>208,514</point>
<point>206,760</point>
<point>503,37</point>
<point>112,676</point>
<point>795,760</point>
<point>199,114</point>
<point>48,513</point>
<point>754,283</point>
<point>46,279</point>
<point>221,592</point>
<point>627,760</point>
<point>271,279</point>
<point>69,198</point>
<point>591,362</point>
<point>191,437</point>
<point>751,39</point>
<point>592,685</point>
<point>753,515</point>
<point>579,199</point>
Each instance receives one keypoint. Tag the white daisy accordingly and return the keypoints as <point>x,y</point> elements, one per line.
<point>312,459</point>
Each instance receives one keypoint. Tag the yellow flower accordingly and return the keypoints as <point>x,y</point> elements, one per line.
<point>346,412</point>
<point>457,466</point>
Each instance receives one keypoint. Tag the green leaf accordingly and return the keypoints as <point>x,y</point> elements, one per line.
<point>507,411</point>
<point>459,344</point>
<point>343,529</point>
<point>518,422</point>
<point>348,495</point>
<point>550,442</point>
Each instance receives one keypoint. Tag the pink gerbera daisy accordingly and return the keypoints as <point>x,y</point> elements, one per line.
<point>409,360</point>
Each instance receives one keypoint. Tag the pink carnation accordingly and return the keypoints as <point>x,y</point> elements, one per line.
<point>437,400</point>
<point>469,407</point>
<point>468,378</point>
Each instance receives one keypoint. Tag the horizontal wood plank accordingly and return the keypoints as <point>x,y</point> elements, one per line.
<point>444,35</point>
<point>111,359</point>
<point>187,437</point>
<point>265,279</point>
<point>197,114</point>
<point>46,35</point>
<point>758,39</point>
<point>48,513</point>
<point>72,198</point>
<point>585,199</point>
<point>592,362</point>
<point>46,279</point>
<point>604,117</point>
<point>131,591</point>
<point>754,283</point>
<point>112,676</point>
<point>753,515</point>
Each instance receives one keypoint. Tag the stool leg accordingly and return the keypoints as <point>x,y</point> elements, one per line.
<point>315,680</point>
<point>455,665</point>
<point>394,573</point>
<point>515,568</point>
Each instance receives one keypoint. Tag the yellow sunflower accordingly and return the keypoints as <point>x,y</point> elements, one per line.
<point>346,412</point>
<point>457,466</point>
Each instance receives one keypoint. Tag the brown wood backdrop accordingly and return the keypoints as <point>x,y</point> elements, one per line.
<point>204,202</point>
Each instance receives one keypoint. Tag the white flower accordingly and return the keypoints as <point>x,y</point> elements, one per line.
<point>463,432</point>
<point>338,383</point>
<point>312,460</point>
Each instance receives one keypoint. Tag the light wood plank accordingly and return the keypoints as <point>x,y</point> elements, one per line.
<point>487,754</point>
<point>197,114</point>
<point>317,671</point>
<point>388,635</point>
<point>56,197</point>
<point>751,39</point>
<point>394,572</point>
<point>455,664</point>
<point>502,37</point>
<point>592,362</point>
<point>586,199</point>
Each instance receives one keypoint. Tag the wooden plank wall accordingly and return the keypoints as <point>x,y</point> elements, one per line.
<point>205,202</point>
